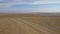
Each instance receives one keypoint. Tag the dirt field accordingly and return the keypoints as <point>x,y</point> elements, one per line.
<point>29,24</point>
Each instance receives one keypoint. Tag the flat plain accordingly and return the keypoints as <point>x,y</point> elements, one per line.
<point>29,24</point>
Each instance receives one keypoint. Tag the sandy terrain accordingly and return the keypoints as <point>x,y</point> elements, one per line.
<point>29,24</point>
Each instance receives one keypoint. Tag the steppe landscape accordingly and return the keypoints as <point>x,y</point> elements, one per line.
<point>29,24</point>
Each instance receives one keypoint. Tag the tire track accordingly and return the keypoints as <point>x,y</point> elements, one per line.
<point>33,25</point>
<point>26,27</point>
<point>39,27</point>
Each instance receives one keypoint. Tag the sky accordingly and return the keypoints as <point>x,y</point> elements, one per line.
<point>18,6</point>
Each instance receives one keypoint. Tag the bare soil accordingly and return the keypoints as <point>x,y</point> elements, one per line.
<point>29,24</point>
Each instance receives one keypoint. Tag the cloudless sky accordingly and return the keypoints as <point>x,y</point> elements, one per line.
<point>29,6</point>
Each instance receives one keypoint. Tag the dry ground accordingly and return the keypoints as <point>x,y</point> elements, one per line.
<point>29,24</point>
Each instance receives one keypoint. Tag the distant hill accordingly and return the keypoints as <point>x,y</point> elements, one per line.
<point>40,13</point>
<point>46,14</point>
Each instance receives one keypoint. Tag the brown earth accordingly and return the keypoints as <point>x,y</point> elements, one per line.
<point>29,24</point>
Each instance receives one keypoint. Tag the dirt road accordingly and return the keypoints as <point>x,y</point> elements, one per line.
<point>19,26</point>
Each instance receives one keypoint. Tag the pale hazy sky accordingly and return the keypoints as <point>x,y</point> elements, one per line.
<point>29,5</point>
